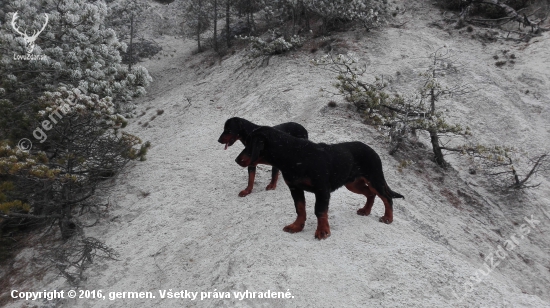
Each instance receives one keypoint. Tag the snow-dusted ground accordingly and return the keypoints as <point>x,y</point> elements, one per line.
<point>192,232</point>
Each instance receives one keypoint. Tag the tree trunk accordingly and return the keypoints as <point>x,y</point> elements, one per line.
<point>199,24</point>
<point>308,27</point>
<point>216,25</point>
<point>252,20</point>
<point>300,12</point>
<point>432,102</point>
<point>248,23</point>
<point>227,34</point>
<point>293,20</point>
<point>227,20</point>
<point>306,16</point>
<point>434,138</point>
<point>438,154</point>
<point>131,52</point>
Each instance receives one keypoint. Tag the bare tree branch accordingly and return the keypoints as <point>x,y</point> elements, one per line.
<point>511,15</point>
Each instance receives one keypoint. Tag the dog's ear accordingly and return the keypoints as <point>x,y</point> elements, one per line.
<point>240,125</point>
<point>227,125</point>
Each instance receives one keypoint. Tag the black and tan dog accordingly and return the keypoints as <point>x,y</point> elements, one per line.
<point>321,169</point>
<point>239,129</point>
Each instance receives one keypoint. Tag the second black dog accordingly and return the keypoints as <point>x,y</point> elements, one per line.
<point>321,169</point>
<point>239,129</point>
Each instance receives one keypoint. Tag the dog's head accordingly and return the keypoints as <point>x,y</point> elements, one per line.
<point>230,132</point>
<point>255,148</point>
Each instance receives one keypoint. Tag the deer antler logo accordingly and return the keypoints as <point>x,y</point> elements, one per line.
<point>29,40</point>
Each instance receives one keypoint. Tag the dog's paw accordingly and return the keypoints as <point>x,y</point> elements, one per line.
<point>245,193</point>
<point>271,186</point>
<point>386,220</point>
<point>294,227</point>
<point>322,232</point>
<point>323,228</point>
<point>363,212</point>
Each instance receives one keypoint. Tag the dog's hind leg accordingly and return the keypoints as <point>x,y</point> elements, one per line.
<point>322,199</point>
<point>360,187</point>
<point>300,205</point>
<point>381,190</point>
<point>251,177</point>
<point>274,177</point>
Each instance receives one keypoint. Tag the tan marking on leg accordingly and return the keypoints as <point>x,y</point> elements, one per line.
<point>248,189</point>
<point>273,184</point>
<point>299,224</point>
<point>359,186</point>
<point>388,213</point>
<point>323,228</point>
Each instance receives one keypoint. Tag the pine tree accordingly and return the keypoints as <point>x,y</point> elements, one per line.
<point>198,19</point>
<point>80,52</point>
<point>68,104</point>
<point>404,115</point>
<point>125,16</point>
<point>368,12</point>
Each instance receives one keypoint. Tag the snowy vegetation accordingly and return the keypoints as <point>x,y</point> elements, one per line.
<point>276,46</point>
<point>285,16</point>
<point>74,105</point>
<point>71,105</point>
<point>405,116</point>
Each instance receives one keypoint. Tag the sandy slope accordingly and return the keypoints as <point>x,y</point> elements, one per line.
<point>192,232</point>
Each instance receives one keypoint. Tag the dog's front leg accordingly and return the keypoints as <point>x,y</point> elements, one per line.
<point>300,204</point>
<point>251,177</point>
<point>322,199</point>
<point>274,176</point>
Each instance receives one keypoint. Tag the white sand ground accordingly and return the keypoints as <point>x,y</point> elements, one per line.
<point>192,232</point>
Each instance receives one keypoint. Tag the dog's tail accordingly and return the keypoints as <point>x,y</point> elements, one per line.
<point>393,194</point>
